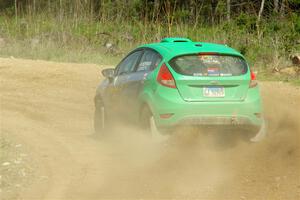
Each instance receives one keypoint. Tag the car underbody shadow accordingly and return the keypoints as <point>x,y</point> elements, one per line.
<point>215,137</point>
<point>218,138</point>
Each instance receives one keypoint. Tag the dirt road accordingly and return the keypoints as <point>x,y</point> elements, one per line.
<point>48,107</point>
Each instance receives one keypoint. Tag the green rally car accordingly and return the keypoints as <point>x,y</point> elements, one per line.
<point>180,82</point>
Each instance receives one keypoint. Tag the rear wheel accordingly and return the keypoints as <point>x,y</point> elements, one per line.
<point>261,134</point>
<point>148,123</point>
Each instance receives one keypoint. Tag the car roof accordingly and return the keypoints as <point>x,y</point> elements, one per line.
<point>172,47</point>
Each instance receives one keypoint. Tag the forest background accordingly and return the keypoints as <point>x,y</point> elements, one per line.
<point>267,32</point>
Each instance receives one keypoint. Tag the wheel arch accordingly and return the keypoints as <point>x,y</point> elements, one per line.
<point>142,106</point>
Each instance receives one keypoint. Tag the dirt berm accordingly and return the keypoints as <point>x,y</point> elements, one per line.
<point>48,107</point>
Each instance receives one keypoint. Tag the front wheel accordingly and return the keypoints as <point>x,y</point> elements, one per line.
<point>99,118</point>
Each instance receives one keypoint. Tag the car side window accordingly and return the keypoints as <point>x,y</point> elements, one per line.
<point>129,63</point>
<point>149,61</point>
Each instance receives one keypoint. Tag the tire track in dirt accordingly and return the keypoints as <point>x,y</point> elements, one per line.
<point>49,106</point>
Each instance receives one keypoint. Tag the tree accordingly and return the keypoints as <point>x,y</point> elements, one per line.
<point>228,10</point>
<point>275,6</point>
<point>262,4</point>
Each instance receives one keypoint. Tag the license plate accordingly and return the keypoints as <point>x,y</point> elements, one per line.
<point>213,91</point>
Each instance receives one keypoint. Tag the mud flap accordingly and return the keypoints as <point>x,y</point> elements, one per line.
<point>102,117</point>
<point>155,133</point>
<point>261,133</point>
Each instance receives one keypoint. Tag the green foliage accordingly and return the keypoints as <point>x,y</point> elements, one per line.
<point>296,21</point>
<point>78,31</point>
<point>246,22</point>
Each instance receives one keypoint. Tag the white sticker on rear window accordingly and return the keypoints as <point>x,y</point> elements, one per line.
<point>225,74</point>
<point>197,74</point>
<point>145,64</point>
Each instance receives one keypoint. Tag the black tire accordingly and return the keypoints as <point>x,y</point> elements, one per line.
<point>99,117</point>
<point>148,123</point>
<point>261,133</point>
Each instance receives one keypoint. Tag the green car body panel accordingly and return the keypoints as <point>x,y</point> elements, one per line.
<point>186,103</point>
<point>163,100</point>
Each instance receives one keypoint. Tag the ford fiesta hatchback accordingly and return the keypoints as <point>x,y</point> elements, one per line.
<point>180,82</point>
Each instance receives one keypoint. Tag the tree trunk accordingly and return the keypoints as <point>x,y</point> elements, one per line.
<point>276,6</point>
<point>60,10</point>
<point>214,4</point>
<point>34,7</point>
<point>192,15</point>
<point>16,10</point>
<point>282,8</point>
<point>258,19</point>
<point>92,9</point>
<point>260,11</point>
<point>228,10</point>
<point>49,6</point>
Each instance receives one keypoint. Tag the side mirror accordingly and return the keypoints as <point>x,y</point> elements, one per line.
<point>108,73</point>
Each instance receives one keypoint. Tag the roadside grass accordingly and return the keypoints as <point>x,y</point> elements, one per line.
<point>270,76</point>
<point>296,82</point>
<point>53,52</point>
<point>75,53</point>
<point>49,37</point>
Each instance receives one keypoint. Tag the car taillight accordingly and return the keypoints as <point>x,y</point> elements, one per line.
<point>253,81</point>
<point>165,77</point>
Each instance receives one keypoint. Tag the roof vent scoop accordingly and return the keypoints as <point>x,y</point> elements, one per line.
<point>177,39</point>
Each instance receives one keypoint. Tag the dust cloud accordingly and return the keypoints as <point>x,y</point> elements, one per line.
<point>48,107</point>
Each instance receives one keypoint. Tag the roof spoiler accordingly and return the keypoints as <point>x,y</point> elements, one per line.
<point>176,39</point>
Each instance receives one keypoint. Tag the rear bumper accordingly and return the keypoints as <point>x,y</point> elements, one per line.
<point>236,121</point>
<point>224,120</point>
<point>247,112</point>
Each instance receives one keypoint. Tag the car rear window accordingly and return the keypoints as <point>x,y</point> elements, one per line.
<point>209,65</point>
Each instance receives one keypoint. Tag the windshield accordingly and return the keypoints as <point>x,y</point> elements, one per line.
<point>209,65</point>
